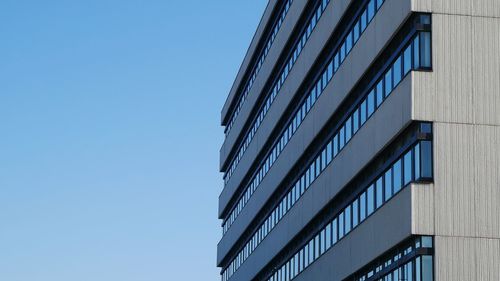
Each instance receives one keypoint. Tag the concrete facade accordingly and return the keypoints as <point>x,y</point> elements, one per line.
<point>460,95</point>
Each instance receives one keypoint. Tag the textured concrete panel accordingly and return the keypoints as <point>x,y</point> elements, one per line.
<point>422,209</point>
<point>482,8</point>
<point>486,70</point>
<point>446,94</point>
<point>455,189</point>
<point>465,259</point>
<point>486,168</point>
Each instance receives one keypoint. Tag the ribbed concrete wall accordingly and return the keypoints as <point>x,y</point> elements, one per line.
<point>462,97</point>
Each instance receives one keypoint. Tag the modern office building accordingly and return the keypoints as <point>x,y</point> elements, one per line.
<point>363,143</point>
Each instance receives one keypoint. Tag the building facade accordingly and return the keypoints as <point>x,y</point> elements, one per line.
<point>363,143</point>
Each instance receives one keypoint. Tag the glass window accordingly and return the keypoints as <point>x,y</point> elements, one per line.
<point>371,10</point>
<point>417,161</point>
<point>363,20</point>
<point>397,176</point>
<point>329,153</point>
<point>317,244</point>
<point>416,53</point>
<point>371,103</point>
<point>335,145</point>
<point>426,159</point>
<point>348,43</point>
<point>355,121</point>
<point>370,200</point>
<point>380,92</point>
<point>347,214</point>
<point>342,52</point>
<point>407,168</point>
<point>417,269</point>
<point>323,242</point>
<point>425,49</point>
<point>328,236</point>
<point>341,138</point>
<point>330,71</point>
<point>318,166</point>
<point>362,207</point>
<point>388,184</point>
<point>397,71</point>
<point>334,231</point>
<point>379,3</point>
<point>363,112</point>
<point>407,60</point>
<point>348,130</point>
<point>380,192</point>
<point>388,83</point>
<point>306,255</point>
<point>341,225</point>
<point>356,32</point>
<point>355,213</point>
<point>336,61</point>
<point>311,251</point>
<point>426,127</point>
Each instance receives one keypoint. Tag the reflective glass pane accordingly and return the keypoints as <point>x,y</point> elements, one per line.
<point>397,176</point>
<point>407,168</point>
<point>379,187</point>
<point>370,200</point>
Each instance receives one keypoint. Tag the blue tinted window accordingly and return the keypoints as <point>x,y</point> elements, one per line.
<point>407,167</point>
<point>427,268</point>
<point>363,112</point>
<point>371,10</point>
<point>355,213</point>
<point>371,103</point>
<point>342,53</point>
<point>380,92</point>
<point>349,43</point>
<point>388,83</point>
<point>334,231</point>
<point>342,138</point>
<point>416,53</point>
<point>355,121</point>
<point>425,49</point>
<point>341,225</point>
<point>379,3</point>
<point>348,130</point>
<point>407,60</point>
<point>370,200</point>
<point>397,176</point>
<point>362,207</point>
<point>336,62</point>
<point>363,20</point>
<point>388,184</point>
<point>356,32</point>
<point>347,213</point>
<point>417,162</point>
<point>379,187</point>
<point>397,71</point>
<point>426,159</point>
<point>335,145</point>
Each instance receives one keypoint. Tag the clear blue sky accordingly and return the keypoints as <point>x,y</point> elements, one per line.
<point>109,135</point>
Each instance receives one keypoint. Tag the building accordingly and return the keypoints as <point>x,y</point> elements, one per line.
<point>363,143</point>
